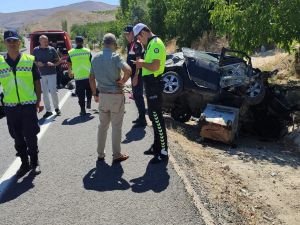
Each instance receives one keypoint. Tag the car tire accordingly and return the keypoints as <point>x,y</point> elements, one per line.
<point>173,84</point>
<point>255,93</point>
<point>181,115</point>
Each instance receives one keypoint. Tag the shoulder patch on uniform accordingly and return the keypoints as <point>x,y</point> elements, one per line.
<point>156,50</point>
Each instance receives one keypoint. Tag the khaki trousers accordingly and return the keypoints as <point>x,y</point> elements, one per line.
<point>111,109</point>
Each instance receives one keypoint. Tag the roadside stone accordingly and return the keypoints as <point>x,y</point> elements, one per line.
<point>273,174</point>
<point>226,168</point>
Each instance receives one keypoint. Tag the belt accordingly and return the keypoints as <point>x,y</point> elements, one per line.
<point>112,93</point>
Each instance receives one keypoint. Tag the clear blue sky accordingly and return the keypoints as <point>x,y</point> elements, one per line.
<point>7,6</point>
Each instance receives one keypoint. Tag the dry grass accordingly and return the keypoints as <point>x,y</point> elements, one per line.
<point>210,42</point>
<point>282,61</point>
<point>171,46</point>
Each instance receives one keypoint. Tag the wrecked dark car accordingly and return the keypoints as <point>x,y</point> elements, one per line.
<point>192,79</point>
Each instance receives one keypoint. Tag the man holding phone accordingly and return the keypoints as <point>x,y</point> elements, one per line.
<point>153,66</point>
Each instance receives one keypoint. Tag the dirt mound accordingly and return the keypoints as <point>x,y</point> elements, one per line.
<point>255,183</point>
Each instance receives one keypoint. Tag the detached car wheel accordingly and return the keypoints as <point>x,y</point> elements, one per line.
<point>181,115</point>
<point>173,84</point>
<point>255,93</point>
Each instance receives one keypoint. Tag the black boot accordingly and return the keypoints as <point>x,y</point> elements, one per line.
<point>24,168</point>
<point>34,164</point>
<point>159,158</point>
<point>82,112</point>
<point>88,103</point>
<point>141,122</point>
<point>150,151</point>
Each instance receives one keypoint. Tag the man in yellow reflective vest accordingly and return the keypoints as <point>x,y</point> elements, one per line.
<point>20,80</point>
<point>153,66</point>
<point>79,63</point>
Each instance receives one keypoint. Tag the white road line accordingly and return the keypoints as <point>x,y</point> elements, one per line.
<point>8,176</point>
<point>206,216</point>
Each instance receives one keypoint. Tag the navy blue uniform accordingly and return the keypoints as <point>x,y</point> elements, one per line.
<point>22,120</point>
<point>134,50</point>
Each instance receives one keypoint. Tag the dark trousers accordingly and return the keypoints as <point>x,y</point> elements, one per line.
<point>2,113</point>
<point>138,91</point>
<point>59,74</point>
<point>154,88</point>
<point>83,90</point>
<point>23,127</point>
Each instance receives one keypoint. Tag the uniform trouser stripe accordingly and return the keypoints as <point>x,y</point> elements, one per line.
<point>154,88</point>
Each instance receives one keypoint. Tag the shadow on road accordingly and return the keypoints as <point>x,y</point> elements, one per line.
<point>105,178</point>
<point>44,121</point>
<point>156,178</point>
<point>18,187</point>
<point>135,134</point>
<point>78,119</point>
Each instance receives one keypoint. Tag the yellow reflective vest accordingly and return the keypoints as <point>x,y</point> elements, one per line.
<point>81,64</point>
<point>155,50</point>
<point>18,88</point>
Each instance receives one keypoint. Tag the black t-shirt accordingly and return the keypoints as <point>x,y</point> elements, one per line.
<point>134,50</point>
<point>13,64</point>
<point>44,55</point>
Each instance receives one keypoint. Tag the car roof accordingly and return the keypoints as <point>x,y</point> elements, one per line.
<point>48,31</point>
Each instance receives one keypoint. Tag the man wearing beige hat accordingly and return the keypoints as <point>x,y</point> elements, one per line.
<point>106,70</point>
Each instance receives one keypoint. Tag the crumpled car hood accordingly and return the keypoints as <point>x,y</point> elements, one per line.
<point>175,59</point>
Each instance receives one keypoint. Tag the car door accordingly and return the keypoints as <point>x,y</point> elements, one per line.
<point>202,69</point>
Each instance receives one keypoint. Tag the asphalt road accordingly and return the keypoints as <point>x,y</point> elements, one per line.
<point>74,189</point>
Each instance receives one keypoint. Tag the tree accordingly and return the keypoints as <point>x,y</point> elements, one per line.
<point>157,13</point>
<point>64,25</point>
<point>2,46</point>
<point>124,5</point>
<point>249,24</point>
<point>187,20</point>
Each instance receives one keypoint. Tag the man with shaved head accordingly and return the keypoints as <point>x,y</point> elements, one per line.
<point>46,58</point>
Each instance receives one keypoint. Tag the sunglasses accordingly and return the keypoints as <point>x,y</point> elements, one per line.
<point>12,40</point>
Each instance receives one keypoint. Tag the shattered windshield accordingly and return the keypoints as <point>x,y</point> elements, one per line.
<point>191,53</point>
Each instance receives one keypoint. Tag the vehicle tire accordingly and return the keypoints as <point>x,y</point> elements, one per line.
<point>181,115</point>
<point>173,84</point>
<point>255,94</point>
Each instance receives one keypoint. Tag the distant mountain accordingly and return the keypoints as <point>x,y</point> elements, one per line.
<point>84,10</point>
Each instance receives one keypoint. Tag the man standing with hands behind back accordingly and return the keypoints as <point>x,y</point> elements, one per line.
<point>106,69</point>
<point>153,66</point>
